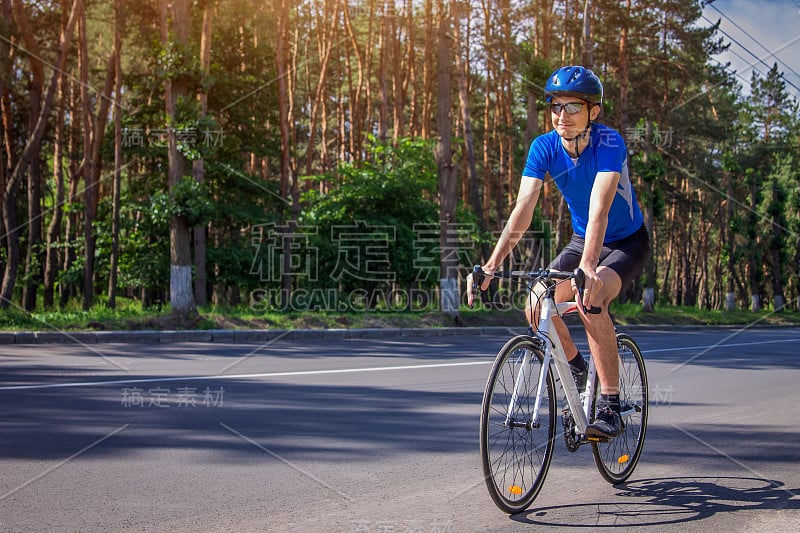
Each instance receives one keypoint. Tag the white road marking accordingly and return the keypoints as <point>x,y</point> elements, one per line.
<point>334,371</point>
<point>708,346</point>
<point>237,376</point>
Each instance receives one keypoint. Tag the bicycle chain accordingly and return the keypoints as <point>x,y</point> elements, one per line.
<point>570,439</point>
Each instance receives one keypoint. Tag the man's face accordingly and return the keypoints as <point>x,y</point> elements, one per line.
<point>571,115</point>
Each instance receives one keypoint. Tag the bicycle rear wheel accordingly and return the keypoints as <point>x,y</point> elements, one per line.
<point>617,458</point>
<point>515,449</point>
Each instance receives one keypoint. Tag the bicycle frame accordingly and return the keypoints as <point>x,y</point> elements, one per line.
<point>554,352</point>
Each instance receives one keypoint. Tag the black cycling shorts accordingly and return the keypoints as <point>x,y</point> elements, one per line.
<point>627,257</point>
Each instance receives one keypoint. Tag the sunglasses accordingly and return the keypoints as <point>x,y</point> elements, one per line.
<point>570,107</point>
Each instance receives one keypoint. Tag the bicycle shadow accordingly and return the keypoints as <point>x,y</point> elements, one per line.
<point>662,501</point>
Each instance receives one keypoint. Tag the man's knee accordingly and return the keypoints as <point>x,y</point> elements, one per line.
<point>533,305</point>
<point>612,285</point>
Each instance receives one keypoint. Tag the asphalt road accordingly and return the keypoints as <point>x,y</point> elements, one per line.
<point>377,435</point>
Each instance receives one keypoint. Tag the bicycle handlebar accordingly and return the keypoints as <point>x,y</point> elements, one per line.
<point>478,277</point>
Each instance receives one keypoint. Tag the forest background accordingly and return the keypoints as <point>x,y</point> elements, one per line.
<point>344,155</point>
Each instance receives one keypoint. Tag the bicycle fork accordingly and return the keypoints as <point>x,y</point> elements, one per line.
<point>512,404</point>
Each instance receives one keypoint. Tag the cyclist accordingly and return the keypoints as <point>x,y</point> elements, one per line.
<point>588,162</point>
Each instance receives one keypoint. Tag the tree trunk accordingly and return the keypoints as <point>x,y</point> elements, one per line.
<point>411,80</point>
<point>6,153</point>
<point>587,56</point>
<point>33,260</point>
<point>327,46</point>
<point>288,185</point>
<point>54,229</point>
<point>86,162</point>
<point>94,127</point>
<point>180,282</point>
<point>68,290</point>
<point>428,77</point>
<point>649,296</point>
<point>383,73</point>
<point>755,302</point>
<point>508,141</point>
<point>7,156</point>
<point>354,102</point>
<point>398,86</point>
<point>623,69</point>
<point>462,72</point>
<point>198,167</point>
<point>531,118</point>
<point>488,171</point>
<point>116,193</point>
<point>92,172</point>
<point>730,294</point>
<point>74,171</point>
<point>447,172</point>
<point>730,301</point>
<point>755,257</point>
<point>774,253</point>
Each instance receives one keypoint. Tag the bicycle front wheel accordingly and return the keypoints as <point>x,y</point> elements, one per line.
<point>617,458</point>
<point>516,449</point>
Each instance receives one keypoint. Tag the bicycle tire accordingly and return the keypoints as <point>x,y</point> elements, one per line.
<point>515,460</point>
<point>617,458</point>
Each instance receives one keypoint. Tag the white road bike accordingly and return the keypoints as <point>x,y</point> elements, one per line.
<point>518,417</point>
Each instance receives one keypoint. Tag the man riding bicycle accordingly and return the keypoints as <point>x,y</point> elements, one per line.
<point>588,162</point>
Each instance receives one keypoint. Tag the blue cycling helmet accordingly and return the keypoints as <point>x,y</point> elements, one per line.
<point>576,81</point>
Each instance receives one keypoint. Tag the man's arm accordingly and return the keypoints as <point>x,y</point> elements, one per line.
<point>603,191</point>
<point>518,223</point>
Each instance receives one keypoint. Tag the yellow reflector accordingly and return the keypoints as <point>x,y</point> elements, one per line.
<point>623,459</point>
<point>515,489</point>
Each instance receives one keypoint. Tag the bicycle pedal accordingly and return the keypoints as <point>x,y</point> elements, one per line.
<point>597,438</point>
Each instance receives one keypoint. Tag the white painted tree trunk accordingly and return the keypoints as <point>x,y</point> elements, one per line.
<point>180,288</point>
<point>649,299</point>
<point>730,302</point>
<point>448,294</point>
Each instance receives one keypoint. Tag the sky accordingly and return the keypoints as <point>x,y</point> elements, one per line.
<point>765,27</point>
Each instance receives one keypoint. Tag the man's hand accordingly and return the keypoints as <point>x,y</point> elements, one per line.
<point>487,278</point>
<point>592,289</point>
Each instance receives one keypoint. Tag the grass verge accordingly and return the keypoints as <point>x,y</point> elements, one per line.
<point>129,315</point>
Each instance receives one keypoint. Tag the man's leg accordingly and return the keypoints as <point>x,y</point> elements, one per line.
<point>601,335</point>
<point>603,345</point>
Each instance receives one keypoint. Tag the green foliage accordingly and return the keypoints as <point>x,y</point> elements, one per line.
<point>177,62</point>
<point>534,69</point>
<point>380,201</point>
<point>144,246</point>
<point>652,169</point>
<point>775,114</point>
<point>188,198</point>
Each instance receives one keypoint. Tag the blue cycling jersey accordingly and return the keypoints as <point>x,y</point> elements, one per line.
<point>606,152</point>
